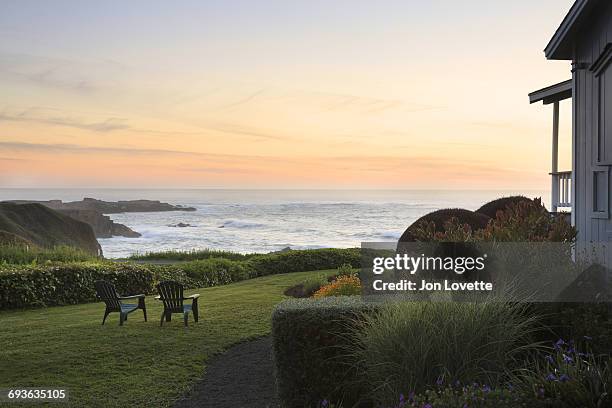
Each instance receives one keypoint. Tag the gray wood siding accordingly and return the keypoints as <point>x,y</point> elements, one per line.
<point>592,227</point>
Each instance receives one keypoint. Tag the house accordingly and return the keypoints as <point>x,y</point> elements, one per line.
<point>585,39</point>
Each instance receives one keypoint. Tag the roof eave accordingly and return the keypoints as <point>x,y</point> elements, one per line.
<point>559,46</point>
<point>553,93</point>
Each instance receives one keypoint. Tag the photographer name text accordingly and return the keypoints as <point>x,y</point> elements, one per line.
<point>426,286</point>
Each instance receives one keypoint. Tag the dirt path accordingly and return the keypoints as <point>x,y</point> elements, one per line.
<point>241,377</point>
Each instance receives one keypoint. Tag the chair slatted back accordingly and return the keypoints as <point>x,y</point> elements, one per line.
<point>171,293</point>
<point>107,293</point>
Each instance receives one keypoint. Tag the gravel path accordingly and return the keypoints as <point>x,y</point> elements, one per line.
<point>241,377</point>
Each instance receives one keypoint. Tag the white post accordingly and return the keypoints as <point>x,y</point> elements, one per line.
<point>555,159</point>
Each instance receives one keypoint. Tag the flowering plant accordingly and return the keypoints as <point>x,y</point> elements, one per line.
<point>568,377</point>
<point>347,285</point>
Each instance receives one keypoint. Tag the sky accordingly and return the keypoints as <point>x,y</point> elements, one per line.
<point>274,94</point>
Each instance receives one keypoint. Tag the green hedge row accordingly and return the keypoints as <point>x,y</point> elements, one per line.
<point>69,283</point>
<point>310,350</point>
<point>304,260</point>
<point>221,271</point>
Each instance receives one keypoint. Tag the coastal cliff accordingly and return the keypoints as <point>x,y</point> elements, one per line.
<point>102,224</point>
<point>114,207</point>
<point>45,227</point>
<point>92,212</point>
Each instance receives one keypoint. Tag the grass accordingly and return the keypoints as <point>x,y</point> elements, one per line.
<point>23,255</point>
<point>139,364</point>
<point>192,255</point>
<point>409,346</point>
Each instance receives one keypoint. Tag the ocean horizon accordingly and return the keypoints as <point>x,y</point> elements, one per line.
<point>267,220</point>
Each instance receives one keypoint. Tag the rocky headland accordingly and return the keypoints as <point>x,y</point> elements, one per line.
<point>36,224</point>
<point>111,207</point>
<point>93,212</point>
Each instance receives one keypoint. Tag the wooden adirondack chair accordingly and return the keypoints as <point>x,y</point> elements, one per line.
<point>171,294</point>
<point>114,303</point>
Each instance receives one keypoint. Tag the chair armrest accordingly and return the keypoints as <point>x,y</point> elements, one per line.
<point>131,297</point>
<point>194,296</point>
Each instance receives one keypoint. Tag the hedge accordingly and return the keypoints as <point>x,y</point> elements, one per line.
<point>304,260</point>
<point>71,283</point>
<point>310,350</point>
<point>220,271</point>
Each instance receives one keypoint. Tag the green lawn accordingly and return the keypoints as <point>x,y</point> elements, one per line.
<point>139,364</point>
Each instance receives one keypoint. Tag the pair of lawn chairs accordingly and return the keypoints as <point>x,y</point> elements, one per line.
<point>170,293</point>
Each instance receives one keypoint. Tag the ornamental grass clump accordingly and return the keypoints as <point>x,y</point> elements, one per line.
<point>410,346</point>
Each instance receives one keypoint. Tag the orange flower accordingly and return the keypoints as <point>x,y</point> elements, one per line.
<point>347,285</point>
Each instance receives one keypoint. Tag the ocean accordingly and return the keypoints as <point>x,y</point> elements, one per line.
<point>269,220</point>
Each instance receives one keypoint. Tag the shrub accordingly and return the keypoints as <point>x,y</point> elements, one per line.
<point>528,221</point>
<point>346,285</point>
<point>309,346</point>
<point>438,219</point>
<point>491,208</point>
<point>306,260</point>
<point>525,221</point>
<point>70,283</point>
<point>347,269</point>
<point>307,288</point>
<point>172,272</point>
<point>214,271</point>
<point>27,286</point>
<point>409,346</point>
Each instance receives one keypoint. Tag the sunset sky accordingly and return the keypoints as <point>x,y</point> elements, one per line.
<point>277,94</point>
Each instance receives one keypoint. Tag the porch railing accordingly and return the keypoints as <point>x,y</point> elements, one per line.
<point>561,190</point>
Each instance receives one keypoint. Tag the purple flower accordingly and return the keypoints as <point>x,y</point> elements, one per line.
<point>486,388</point>
<point>551,377</point>
<point>541,393</point>
<point>549,359</point>
<point>428,405</point>
<point>411,396</point>
<point>567,359</point>
<point>440,381</point>
<point>324,403</point>
<point>564,378</point>
<point>559,344</point>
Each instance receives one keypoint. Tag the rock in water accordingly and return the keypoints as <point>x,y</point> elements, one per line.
<point>181,225</point>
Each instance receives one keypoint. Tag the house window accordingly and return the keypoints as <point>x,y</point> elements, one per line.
<point>600,193</point>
